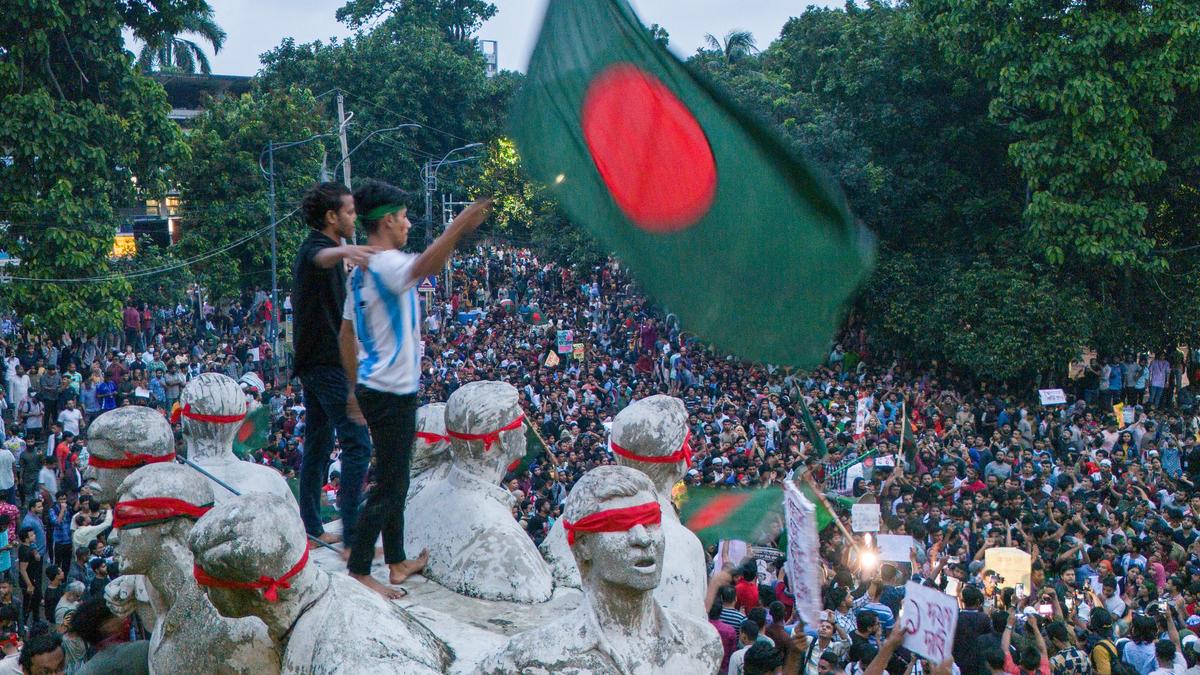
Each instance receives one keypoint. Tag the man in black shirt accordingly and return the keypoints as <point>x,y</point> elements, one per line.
<point>317,298</point>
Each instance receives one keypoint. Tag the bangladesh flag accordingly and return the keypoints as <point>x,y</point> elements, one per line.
<point>754,516</point>
<point>750,245</point>
<point>254,432</point>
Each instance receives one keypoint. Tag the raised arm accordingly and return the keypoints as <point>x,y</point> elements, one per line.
<point>355,255</point>
<point>433,259</point>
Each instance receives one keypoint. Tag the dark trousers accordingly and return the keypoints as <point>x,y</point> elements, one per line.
<point>62,555</point>
<point>325,394</point>
<point>393,422</point>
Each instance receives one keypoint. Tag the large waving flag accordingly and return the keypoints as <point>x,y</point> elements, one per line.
<point>749,244</point>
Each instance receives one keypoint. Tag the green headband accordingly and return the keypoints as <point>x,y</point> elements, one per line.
<point>380,211</point>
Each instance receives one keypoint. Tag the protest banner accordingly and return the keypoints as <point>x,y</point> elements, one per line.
<point>566,341</point>
<point>1012,564</point>
<point>929,618</point>
<point>895,547</point>
<point>803,562</point>
<point>864,517</point>
<point>1052,396</point>
<point>860,418</point>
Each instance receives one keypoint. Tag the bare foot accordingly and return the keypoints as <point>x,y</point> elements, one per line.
<point>400,571</point>
<point>330,537</point>
<point>370,582</point>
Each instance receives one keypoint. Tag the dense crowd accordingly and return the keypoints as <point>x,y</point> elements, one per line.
<point>1102,498</point>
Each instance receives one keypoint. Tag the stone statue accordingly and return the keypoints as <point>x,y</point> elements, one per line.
<point>613,526</point>
<point>156,508</point>
<point>251,559</point>
<point>122,440</point>
<point>119,443</point>
<point>465,519</point>
<point>212,410</point>
<point>431,451</point>
<point>651,435</point>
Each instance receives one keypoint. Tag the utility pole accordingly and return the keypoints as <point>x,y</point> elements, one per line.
<point>274,260</point>
<point>427,174</point>
<point>345,152</point>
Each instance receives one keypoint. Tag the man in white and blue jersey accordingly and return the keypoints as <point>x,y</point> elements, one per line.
<point>380,345</point>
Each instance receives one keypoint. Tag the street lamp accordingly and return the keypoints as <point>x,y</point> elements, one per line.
<point>430,172</point>
<point>269,171</point>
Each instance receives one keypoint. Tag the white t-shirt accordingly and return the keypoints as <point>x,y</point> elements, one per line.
<point>69,419</point>
<point>382,302</point>
<point>7,460</point>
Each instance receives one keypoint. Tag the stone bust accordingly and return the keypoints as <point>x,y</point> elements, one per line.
<point>617,541</point>
<point>651,435</point>
<point>431,449</point>
<point>122,440</point>
<point>156,508</point>
<point>212,410</point>
<point>465,518</point>
<point>251,559</point>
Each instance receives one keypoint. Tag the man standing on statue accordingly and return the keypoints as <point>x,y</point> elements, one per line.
<point>318,296</point>
<point>382,312</point>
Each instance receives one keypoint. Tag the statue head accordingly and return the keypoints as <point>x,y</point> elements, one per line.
<point>431,447</point>
<point>648,433</point>
<point>614,528</point>
<point>156,504</point>
<point>122,440</point>
<point>483,420</point>
<point>250,552</point>
<point>212,408</point>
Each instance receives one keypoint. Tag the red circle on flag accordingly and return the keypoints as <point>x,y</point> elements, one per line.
<point>649,149</point>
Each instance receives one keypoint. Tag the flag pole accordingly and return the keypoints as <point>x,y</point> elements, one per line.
<point>187,462</point>
<point>829,507</point>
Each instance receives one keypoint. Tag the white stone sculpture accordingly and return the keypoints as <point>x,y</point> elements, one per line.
<point>619,627</point>
<point>651,435</point>
<point>251,559</point>
<point>431,451</point>
<point>212,410</point>
<point>156,508</point>
<point>122,440</point>
<point>465,519</point>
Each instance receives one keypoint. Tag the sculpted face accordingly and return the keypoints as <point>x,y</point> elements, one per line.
<point>139,547</point>
<point>633,558</point>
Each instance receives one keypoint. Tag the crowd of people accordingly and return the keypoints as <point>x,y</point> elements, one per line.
<point>1103,499</point>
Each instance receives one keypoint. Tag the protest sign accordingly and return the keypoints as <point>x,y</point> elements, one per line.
<point>1012,564</point>
<point>864,517</point>
<point>566,341</point>
<point>577,351</point>
<point>860,418</point>
<point>1052,396</point>
<point>929,618</point>
<point>885,460</point>
<point>765,556</point>
<point>895,547</point>
<point>803,562</point>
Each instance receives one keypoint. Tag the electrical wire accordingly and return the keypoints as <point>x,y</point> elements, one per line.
<point>165,268</point>
<point>403,117</point>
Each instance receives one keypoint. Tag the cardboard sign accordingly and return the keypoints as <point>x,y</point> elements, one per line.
<point>577,351</point>
<point>895,547</point>
<point>864,518</point>
<point>929,618</point>
<point>551,360</point>
<point>1052,396</point>
<point>1012,564</point>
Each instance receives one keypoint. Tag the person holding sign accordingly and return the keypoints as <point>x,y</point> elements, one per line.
<point>1032,661</point>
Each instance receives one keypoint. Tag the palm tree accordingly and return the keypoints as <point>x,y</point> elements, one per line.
<point>168,51</point>
<point>735,45</point>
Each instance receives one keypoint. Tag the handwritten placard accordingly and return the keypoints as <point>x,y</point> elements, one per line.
<point>864,517</point>
<point>1012,564</point>
<point>1052,396</point>
<point>929,618</point>
<point>895,547</point>
<point>803,563</point>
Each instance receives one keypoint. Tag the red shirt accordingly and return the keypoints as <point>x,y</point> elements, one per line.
<point>61,452</point>
<point>747,595</point>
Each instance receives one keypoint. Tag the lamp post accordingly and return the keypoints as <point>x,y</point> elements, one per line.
<point>430,172</point>
<point>269,172</point>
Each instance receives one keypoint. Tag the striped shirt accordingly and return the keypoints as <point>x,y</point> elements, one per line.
<point>381,300</point>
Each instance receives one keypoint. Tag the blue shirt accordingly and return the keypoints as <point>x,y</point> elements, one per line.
<point>60,533</point>
<point>39,531</point>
